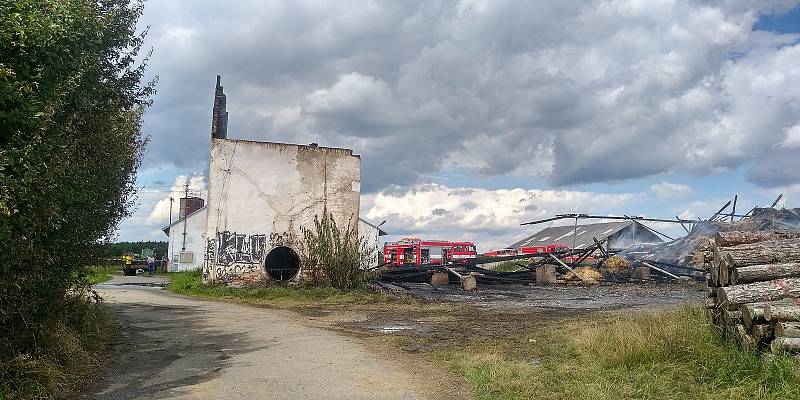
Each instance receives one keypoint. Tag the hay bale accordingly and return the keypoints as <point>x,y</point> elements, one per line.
<point>587,274</point>
<point>617,264</point>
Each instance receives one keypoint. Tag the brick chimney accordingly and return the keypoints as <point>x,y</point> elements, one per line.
<point>219,115</point>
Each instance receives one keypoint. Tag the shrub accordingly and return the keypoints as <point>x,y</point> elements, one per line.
<point>334,256</point>
<point>71,101</point>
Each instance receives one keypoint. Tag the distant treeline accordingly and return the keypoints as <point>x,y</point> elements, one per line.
<point>118,249</point>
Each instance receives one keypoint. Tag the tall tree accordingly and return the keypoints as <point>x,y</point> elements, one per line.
<point>71,100</point>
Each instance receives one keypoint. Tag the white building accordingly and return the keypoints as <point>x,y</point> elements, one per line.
<point>187,241</point>
<point>371,233</point>
<point>260,195</point>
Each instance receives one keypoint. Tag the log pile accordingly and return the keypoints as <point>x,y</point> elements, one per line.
<point>754,288</point>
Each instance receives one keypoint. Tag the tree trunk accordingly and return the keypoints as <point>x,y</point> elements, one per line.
<point>714,271</point>
<point>761,332</point>
<point>732,317</point>
<point>764,272</point>
<point>787,329</point>
<point>725,266</point>
<point>775,313</point>
<point>759,291</point>
<point>744,338</point>
<point>788,344</point>
<point>751,315</point>
<point>770,252</point>
<point>711,302</point>
<point>734,238</point>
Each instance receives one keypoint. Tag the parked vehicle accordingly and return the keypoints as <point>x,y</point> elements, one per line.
<point>415,251</point>
<point>552,248</point>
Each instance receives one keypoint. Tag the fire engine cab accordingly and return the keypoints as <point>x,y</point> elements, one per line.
<point>414,251</point>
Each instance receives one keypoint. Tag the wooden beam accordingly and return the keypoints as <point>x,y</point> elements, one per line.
<point>775,203</point>
<point>566,266</point>
<point>660,270</point>
<point>720,211</point>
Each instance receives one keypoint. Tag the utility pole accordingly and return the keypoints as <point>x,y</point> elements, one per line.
<point>575,235</point>
<point>185,204</point>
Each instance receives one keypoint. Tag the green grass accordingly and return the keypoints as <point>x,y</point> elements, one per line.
<point>669,355</point>
<point>509,266</point>
<point>190,283</point>
<point>102,274</point>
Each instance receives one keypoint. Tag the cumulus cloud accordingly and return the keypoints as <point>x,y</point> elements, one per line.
<point>667,190</point>
<point>160,211</point>
<point>490,218</point>
<point>792,138</point>
<point>564,92</point>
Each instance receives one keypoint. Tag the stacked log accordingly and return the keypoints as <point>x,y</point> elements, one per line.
<point>754,288</point>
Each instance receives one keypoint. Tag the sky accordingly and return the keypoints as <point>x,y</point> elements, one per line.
<point>474,116</point>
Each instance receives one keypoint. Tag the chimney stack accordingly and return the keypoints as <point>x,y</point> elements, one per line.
<point>219,115</point>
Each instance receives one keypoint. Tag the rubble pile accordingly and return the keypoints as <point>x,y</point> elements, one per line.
<point>692,254</point>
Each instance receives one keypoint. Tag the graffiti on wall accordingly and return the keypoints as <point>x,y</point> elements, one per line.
<point>235,248</point>
<point>282,239</point>
<point>232,254</point>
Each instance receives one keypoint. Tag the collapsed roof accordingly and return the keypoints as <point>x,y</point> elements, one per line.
<point>620,234</point>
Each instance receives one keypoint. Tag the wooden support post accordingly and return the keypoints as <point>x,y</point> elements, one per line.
<point>545,274</point>
<point>468,282</point>
<point>440,278</point>
<point>641,273</point>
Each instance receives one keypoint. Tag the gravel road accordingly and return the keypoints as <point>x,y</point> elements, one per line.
<point>174,347</point>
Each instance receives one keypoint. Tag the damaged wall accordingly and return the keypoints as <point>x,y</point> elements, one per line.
<point>259,196</point>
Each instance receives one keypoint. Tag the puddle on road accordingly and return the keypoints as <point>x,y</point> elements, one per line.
<point>157,286</point>
<point>399,328</point>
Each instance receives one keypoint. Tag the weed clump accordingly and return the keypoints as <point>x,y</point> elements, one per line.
<point>336,257</point>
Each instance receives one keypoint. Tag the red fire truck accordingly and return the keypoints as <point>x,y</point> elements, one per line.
<point>414,251</point>
<point>553,248</point>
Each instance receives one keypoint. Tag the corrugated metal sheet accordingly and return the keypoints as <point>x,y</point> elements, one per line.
<point>564,234</point>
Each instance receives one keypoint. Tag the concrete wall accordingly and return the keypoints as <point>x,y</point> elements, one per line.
<point>195,242</point>
<point>260,195</point>
<point>370,235</point>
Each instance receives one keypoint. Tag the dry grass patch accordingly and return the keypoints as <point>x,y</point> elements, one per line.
<point>667,355</point>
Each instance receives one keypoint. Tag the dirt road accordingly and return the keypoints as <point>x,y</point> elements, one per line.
<point>181,348</point>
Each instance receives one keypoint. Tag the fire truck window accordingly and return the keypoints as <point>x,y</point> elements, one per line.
<point>408,256</point>
<point>394,255</point>
<point>282,263</point>
<point>436,253</point>
<point>425,254</point>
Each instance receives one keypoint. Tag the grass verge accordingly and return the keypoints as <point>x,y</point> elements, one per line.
<point>102,274</point>
<point>668,355</point>
<point>68,351</point>
<point>191,283</point>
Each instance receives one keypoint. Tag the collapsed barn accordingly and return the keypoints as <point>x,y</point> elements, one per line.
<point>623,251</point>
